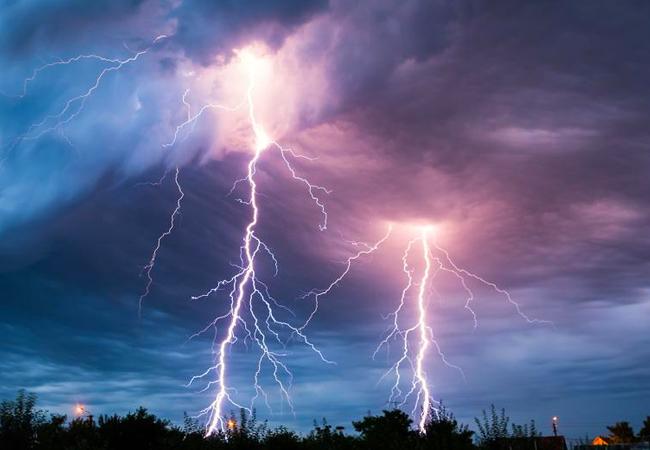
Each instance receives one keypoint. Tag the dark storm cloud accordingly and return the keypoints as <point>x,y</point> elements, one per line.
<point>537,109</point>
<point>415,30</point>
<point>207,29</point>
<point>204,29</point>
<point>29,26</point>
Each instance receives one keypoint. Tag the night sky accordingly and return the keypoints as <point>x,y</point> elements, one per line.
<point>518,129</point>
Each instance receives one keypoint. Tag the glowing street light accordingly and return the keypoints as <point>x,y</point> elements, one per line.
<point>81,411</point>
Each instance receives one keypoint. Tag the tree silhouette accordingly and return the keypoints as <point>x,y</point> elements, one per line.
<point>492,427</point>
<point>444,432</point>
<point>83,434</point>
<point>325,437</point>
<point>525,430</point>
<point>246,434</point>
<point>644,432</point>
<point>391,430</point>
<point>52,434</point>
<point>139,429</point>
<point>20,420</point>
<point>621,433</point>
<point>281,439</point>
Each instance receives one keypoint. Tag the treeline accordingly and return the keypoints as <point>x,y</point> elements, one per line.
<point>25,427</point>
<point>623,433</point>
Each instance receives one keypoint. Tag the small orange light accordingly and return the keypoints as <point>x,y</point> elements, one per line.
<point>79,409</point>
<point>231,424</point>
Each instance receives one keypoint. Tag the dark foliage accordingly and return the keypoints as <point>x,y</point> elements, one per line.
<point>494,434</point>
<point>644,432</point>
<point>444,432</point>
<point>24,427</point>
<point>492,428</point>
<point>391,430</point>
<point>621,433</point>
<point>324,437</point>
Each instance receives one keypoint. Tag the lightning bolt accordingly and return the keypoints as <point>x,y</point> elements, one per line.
<point>459,272</point>
<point>149,267</point>
<point>74,105</point>
<point>316,294</point>
<point>424,337</point>
<point>191,119</point>
<point>252,309</point>
<point>152,260</point>
<point>418,338</point>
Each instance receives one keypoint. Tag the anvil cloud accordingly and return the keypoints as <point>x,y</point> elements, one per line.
<point>520,128</point>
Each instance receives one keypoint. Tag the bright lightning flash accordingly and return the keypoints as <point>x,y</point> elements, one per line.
<point>417,338</point>
<point>252,309</point>
<point>425,338</point>
<point>423,331</point>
